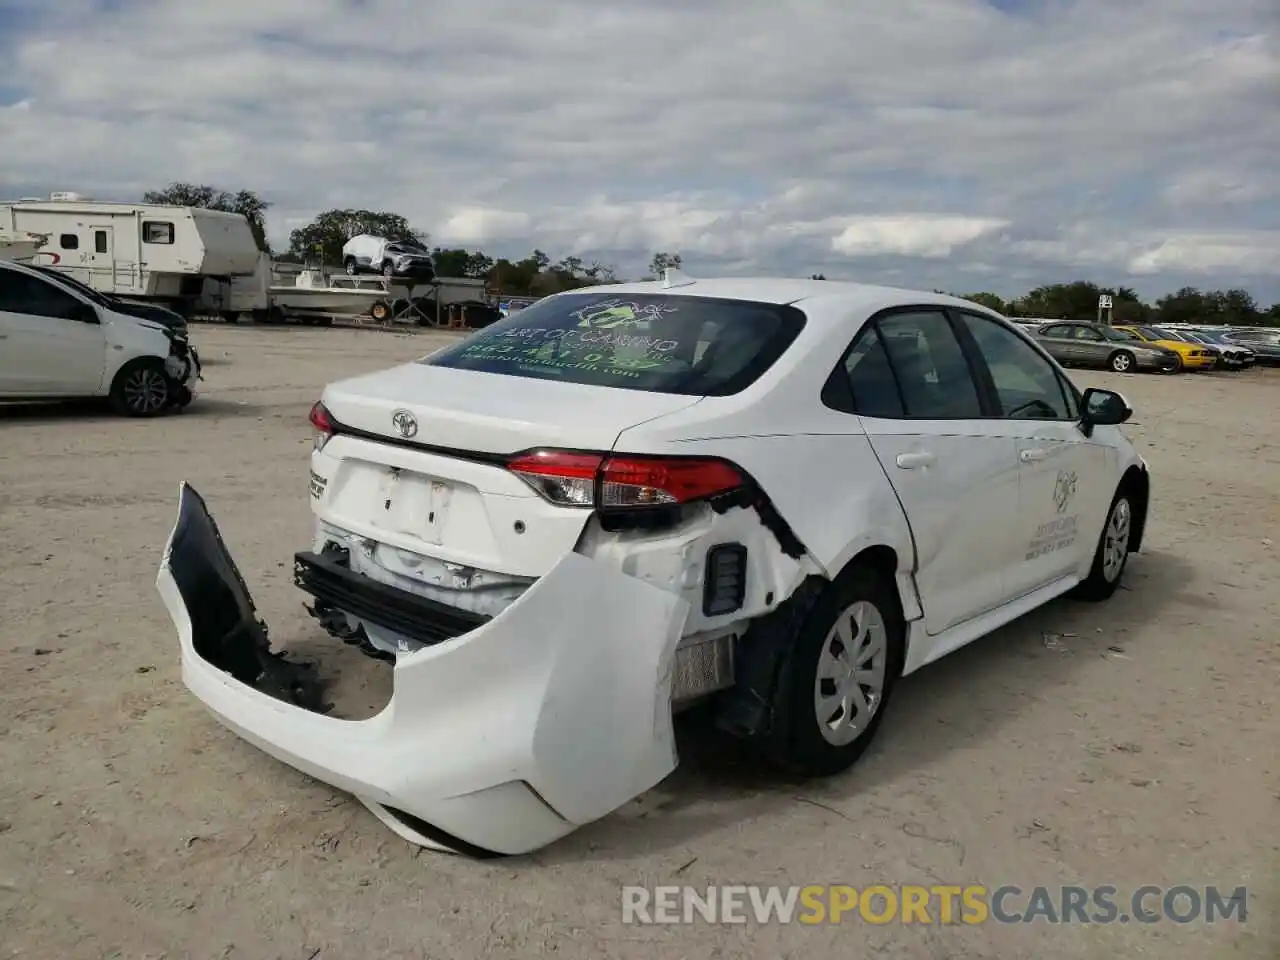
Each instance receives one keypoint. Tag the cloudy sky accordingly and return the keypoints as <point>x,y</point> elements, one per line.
<point>964,144</point>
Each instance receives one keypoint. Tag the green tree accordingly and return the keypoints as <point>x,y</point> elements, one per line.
<point>989,300</point>
<point>451,263</point>
<point>244,202</point>
<point>661,261</point>
<point>1186,305</point>
<point>323,237</point>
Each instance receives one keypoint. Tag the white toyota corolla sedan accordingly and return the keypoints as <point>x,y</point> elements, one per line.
<point>778,495</point>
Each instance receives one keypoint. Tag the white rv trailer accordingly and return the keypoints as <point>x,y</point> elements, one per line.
<point>137,250</point>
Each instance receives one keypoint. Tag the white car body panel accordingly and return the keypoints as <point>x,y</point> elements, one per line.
<point>987,519</point>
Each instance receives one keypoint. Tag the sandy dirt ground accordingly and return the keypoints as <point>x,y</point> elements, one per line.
<point>1127,743</point>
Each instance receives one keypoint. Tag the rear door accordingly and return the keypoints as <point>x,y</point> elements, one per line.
<point>47,344</point>
<point>1059,342</point>
<point>957,481</point>
<point>1064,477</point>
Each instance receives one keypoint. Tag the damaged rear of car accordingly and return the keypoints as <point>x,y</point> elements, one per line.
<point>545,585</point>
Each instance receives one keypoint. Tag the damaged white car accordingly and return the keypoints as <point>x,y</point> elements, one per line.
<point>780,495</point>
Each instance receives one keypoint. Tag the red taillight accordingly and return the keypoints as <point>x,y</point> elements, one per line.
<point>611,482</point>
<point>320,419</point>
<point>323,423</point>
<point>563,477</point>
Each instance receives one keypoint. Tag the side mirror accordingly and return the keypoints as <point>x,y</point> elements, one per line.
<point>1103,408</point>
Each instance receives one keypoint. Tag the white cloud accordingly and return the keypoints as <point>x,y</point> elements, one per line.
<point>1239,252</point>
<point>937,141</point>
<point>911,235</point>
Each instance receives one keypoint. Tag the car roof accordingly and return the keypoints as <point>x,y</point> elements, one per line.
<point>844,295</point>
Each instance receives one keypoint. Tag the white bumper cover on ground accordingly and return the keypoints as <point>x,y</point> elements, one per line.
<point>499,741</point>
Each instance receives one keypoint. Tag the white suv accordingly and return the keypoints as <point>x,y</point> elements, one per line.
<point>64,340</point>
<point>781,495</point>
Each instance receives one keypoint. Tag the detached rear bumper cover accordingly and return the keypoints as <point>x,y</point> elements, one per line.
<point>499,741</point>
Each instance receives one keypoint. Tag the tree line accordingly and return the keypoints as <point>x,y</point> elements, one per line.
<point>538,274</point>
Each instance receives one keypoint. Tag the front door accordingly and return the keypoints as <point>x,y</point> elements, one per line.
<point>48,347</point>
<point>956,479</point>
<point>1063,494</point>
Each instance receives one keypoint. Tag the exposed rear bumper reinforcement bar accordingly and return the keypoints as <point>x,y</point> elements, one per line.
<point>329,578</point>
<point>498,740</point>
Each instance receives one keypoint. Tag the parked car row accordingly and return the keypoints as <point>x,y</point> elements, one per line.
<point>1130,348</point>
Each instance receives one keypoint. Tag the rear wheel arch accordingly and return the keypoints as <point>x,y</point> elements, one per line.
<point>746,710</point>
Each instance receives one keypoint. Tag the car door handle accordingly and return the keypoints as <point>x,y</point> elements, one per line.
<point>913,461</point>
<point>1034,455</point>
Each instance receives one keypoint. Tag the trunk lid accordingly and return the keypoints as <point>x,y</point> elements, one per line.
<point>434,509</point>
<point>493,413</point>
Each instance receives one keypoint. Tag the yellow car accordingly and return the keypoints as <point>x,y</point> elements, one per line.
<point>1194,356</point>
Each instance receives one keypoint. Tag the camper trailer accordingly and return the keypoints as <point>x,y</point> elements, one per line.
<point>136,250</point>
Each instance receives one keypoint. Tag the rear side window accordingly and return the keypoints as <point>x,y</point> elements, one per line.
<point>932,372</point>
<point>699,346</point>
<point>871,382</point>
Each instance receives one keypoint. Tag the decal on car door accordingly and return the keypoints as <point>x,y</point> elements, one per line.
<point>1060,533</point>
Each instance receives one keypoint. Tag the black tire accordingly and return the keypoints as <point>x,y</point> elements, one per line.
<point>1122,361</point>
<point>181,398</point>
<point>805,747</point>
<point>141,389</point>
<point>349,264</point>
<point>380,311</point>
<point>1111,555</point>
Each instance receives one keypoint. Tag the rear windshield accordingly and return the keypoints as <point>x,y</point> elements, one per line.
<point>658,343</point>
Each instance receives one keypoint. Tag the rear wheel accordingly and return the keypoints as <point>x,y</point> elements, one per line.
<point>380,311</point>
<point>1121,361</point>
<point>141,389</point>
<point>840,673</point>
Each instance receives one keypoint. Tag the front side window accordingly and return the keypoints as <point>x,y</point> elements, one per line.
<point>1027,385</point>
<point>157,231</point>
<point>34,297</point>
<point>932,374</point>
<point>1058,331</point>
<point>660,343</point>
<point>1088,333</point>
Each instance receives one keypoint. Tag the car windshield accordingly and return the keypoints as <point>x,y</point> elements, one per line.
<point>73,283</point>
<point>659,343</point>
<point>1111,333</point>
<point>1147,333</point>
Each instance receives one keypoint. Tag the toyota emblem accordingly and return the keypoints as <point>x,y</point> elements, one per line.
<point>406,423</point>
